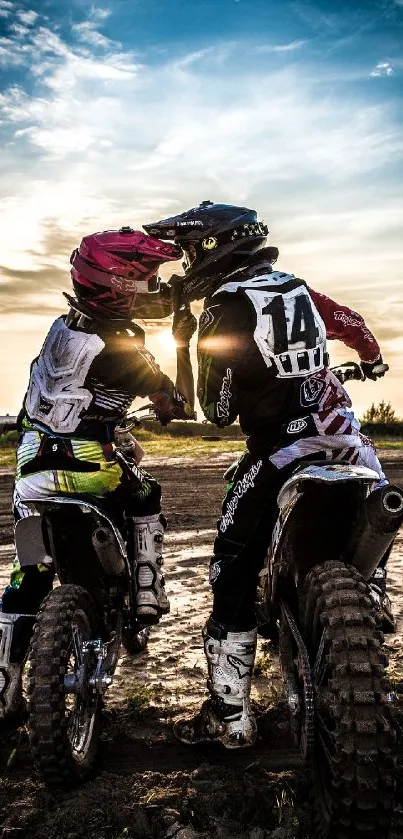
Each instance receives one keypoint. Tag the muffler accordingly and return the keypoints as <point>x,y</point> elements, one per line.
<point>381,518</point>
<point>107,551</point>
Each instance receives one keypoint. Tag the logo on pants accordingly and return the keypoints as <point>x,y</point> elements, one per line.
<point>297,425</point>
<point>239,490</point>
<point>214,572</point>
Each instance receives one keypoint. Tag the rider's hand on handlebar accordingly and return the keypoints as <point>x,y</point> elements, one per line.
<point>170,407</point>
<point>179,412</point>
<point>374,369</point>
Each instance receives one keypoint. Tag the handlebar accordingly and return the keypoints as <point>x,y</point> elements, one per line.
<point>352,371</point>
<point>131,419</point>
<point>380,369</point>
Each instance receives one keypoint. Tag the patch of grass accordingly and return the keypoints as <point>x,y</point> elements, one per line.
<point>9,439</point>
<point>388,444</point>
<point>142,696</point>
<point>7,458</point>
<point>189,446</point>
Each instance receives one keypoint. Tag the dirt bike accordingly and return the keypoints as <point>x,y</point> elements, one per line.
<point>314,602</point>
<point>80,626</point>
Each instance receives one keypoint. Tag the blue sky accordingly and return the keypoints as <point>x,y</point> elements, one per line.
<point>120,112</point>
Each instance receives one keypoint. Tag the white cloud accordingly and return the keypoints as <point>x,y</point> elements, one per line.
<point>290,47</point>
<point>19,30</point>
<point>87,33</point>
<point>193,57</point>
<point>98,14</point>
<point>383,68</point>
<point>9,55</point>
<point>28,17</point>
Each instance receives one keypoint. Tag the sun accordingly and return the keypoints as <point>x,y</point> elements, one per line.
<point>166,339</point>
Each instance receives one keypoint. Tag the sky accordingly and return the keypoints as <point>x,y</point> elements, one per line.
<point>126,111</point>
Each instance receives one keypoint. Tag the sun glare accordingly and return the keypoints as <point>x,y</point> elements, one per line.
<point>165,338</point>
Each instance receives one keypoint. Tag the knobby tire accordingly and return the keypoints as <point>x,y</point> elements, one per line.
<point>50,718</point>
<point>353,763</point>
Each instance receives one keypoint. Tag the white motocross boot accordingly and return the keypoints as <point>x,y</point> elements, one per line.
<point>226,717</point>
<point>151,599</point>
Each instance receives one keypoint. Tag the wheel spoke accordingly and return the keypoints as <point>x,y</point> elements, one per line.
<point>320,665</point>
<point>77,646</point>
<point>326,737</point>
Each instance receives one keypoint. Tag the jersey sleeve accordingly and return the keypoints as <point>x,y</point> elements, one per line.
<point>125,364</point>
<point>347,326</point>
<point>217,353</point>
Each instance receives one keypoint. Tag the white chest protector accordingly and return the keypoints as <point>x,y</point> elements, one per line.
<point>56,397</point>
<point>289,333</point>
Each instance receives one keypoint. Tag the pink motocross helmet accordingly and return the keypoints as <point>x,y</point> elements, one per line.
<point>115,274</point>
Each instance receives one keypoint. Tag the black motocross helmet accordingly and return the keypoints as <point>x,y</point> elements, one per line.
<point>215,239</point>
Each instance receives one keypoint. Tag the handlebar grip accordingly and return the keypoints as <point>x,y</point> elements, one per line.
<point>380,369</point>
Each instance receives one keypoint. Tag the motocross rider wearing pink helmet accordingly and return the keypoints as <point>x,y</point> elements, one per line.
<point>93,363</point>
<point>115,274</point>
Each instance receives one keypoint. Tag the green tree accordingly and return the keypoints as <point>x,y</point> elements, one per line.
<point>383,412</point>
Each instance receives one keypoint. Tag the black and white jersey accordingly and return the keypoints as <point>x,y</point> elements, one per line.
<point>262,349</point>
<point>82,382</point>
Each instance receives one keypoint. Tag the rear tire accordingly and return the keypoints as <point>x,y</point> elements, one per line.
<point>353,764</point>
<point>63,727</point>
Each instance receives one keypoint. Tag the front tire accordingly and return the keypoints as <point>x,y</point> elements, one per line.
<point>353,766</point>
<point>63,725</point>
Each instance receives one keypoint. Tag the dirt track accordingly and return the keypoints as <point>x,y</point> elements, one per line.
<point>148,785</point>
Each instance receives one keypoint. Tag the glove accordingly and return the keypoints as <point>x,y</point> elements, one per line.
<point>183,327</point>
<point>374,369</point>
<point>168,408</point>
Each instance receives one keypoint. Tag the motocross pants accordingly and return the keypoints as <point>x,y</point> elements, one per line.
<point>30,585</point>
<point>249,511</point>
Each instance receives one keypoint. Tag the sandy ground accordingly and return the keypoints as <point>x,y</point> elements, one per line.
<point>148,785</point>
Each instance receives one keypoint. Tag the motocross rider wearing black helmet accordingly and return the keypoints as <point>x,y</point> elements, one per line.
<point>263,358</point>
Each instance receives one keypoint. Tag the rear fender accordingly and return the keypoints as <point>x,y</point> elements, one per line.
<point>29,542</point>
<point>305,522</point>
<point>327,473</point>
<point>62,533</point>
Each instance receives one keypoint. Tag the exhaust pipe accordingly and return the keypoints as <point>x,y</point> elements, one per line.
<point>381,518</point>
<point>393,501</point>
<point>107,551</point>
